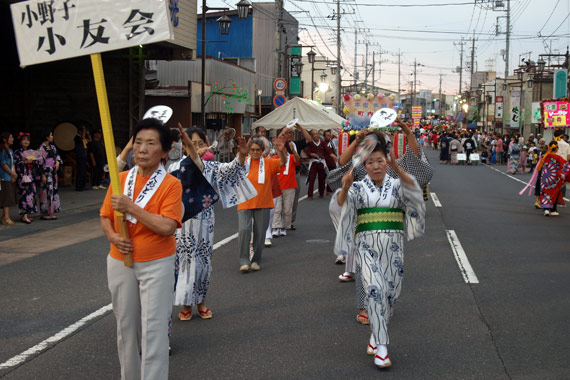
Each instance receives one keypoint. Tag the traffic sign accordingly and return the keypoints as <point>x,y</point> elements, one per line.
<point>279,100</point>
<point>280,84</point>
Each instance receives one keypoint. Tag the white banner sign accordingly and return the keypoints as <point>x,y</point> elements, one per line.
<point>535,117</point>
<point>515,108</point>
<point>51,30</point>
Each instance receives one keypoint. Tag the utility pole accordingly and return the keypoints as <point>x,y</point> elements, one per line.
<point>440,94</point>
<point>460,63</point>
<point>472,63</point>
<point>507,50</point>
<point>399,89</point>
<point>414,88</point>
<point>278,27</point>
<point>373,68</point>
<point>355,57</point>
<point>338,66</point>
<point>366,65</point>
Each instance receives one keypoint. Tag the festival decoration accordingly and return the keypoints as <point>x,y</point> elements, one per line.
<point>555,113</point>
<point>360,109</point>
<point>235,94</point>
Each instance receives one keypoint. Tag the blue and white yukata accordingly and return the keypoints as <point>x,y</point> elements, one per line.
<point>375,220</point>
<point>195,240</point>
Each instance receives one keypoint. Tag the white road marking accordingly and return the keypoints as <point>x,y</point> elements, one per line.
<point>435,200</point>
<point>464,267</point>
<point>516,179</point>
<point>54,339</point>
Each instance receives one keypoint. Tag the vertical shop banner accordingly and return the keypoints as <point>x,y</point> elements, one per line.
<point>58,29</point>
<point>515,109</point>
<point>535,117</point>
<point>560,83</point>
<point>416,115</point>
<point>499,107</point>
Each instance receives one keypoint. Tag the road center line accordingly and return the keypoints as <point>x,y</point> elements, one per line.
<point>461,258</point>
<point>435,200</point>
<point>54,339</point>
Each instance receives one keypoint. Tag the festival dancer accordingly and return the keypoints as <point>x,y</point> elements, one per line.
<point>195,240</point>
<point>377,213</point>
<point>414,161</point>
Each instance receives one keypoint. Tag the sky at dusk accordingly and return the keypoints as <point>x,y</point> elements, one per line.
<point>430,32</point>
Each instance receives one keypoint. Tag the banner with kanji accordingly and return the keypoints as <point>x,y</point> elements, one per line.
<point>51,30</point>
<point>555,113</point>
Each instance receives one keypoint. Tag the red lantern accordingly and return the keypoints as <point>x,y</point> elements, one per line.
<point>399,144</point>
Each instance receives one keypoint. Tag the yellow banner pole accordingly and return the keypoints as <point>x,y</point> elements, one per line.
<point>99,77</point>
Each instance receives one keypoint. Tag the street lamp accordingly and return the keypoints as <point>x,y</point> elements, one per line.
<point>243,9</point>
<point>323,87</point>
<point>224,23</point>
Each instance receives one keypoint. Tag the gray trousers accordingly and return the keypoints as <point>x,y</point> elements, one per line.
<point>284,210</point>
<point>142,304</point>
<point>260,219</point>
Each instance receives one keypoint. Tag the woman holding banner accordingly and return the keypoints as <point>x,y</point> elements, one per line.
<point>142,295</point>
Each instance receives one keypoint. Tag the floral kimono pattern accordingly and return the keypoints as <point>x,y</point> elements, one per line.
<point>555,172</point>
<point>49,197</point>
<point>195,240</point>
<point>28,176</point>
<point>380,253</point>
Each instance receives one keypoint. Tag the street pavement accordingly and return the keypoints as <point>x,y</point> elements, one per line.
<point>293,318</point>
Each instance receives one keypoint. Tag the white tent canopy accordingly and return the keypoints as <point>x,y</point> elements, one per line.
<point>311,115</point>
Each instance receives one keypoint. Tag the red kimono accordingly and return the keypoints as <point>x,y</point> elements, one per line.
<point>555,172</point>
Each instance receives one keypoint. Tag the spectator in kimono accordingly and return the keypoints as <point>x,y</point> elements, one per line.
<point>455,148</point>
<point>81,140</point>
<point>8,177</point>
<point>98,160</point>
<point>49,166</point>
<point>26,161</point>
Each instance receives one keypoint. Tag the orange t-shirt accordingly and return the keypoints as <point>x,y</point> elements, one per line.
<point>167,202</point>
<point>288,181</point>
<point>264,197</point>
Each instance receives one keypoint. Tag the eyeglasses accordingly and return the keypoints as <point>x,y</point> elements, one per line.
<point>198,144</point>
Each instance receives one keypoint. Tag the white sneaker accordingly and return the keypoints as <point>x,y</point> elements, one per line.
<point>546,213</point>
<point>282,232</point>
<point>268,242</point>
<point>275,232</point>
<point>554,213</point>
<point>255,266</point>
<point>101,187</point>
<point>94,187</point>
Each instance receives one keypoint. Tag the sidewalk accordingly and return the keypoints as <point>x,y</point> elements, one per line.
<point>73,204</point>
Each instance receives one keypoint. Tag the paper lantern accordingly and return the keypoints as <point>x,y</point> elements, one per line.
<point>399,144</point>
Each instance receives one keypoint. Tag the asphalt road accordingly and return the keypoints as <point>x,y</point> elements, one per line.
<point>294,319</point>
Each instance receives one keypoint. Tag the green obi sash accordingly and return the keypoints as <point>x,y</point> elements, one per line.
<point>379,218</point>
